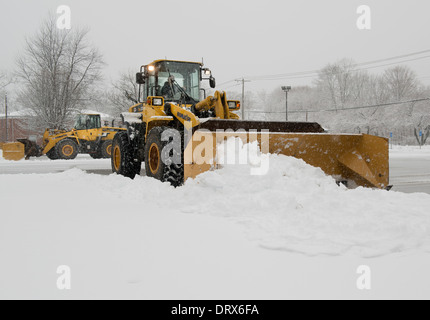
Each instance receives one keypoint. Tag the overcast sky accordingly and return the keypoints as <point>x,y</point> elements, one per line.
<point>236,38</point>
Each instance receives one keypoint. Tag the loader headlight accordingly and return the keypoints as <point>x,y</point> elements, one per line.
<point>151,68</point>
<point>233,105</point>
<point>157,102</point>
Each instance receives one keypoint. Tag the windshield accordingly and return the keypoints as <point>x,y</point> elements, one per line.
<point>84,122</point>
<point>176,81</point>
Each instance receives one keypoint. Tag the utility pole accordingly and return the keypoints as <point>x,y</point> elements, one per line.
<point>243,96</point>
<point>286,89</point>
<point>5,111</point>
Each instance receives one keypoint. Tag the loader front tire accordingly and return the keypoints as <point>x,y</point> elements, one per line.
<point>156,167</point>
<point>66,149</point>
<point>52,154</point>
<point>96,155</point>
<point>122,158</point>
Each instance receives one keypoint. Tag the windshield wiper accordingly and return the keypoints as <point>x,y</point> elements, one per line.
<point>181,89</point>
<point>184,92</point>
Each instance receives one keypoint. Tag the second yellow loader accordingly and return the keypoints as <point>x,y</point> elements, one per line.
<point>87,136</point>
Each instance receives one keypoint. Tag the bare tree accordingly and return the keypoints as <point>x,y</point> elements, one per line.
<point>5,80</point>
<point>124,93</point>
<point>58,70</point>
<point>340,83</point>
<point>401,81</point>
<point>377,91</point>
<point>422,136</point>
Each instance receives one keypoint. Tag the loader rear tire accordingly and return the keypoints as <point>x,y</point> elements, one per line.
<point>122,158</point>
<point>154,164</point>
<point>66,149</point>
<point>106,149</point>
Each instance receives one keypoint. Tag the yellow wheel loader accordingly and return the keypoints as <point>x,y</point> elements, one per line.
<point>87,136</point>
<point>176,133</point>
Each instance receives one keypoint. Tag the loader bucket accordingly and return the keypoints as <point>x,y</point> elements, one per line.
<point>31,149</point>
<point>13,151</point>
<point>353,159</point>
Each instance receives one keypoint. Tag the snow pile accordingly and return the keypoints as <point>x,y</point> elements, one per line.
<point>294,207</point>
<point>144,239</point>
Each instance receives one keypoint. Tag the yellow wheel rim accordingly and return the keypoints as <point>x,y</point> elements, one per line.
<point>154,158</point>
<point>67,150</point>
<point>109,150</point>
<point>116,158</point>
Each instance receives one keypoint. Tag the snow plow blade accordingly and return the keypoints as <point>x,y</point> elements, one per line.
<point>13,151</point>
<point>23,148</point>
<point>352,159</point>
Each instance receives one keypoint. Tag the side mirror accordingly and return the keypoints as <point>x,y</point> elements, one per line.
<point>140,78</point>
<point>212,82</point>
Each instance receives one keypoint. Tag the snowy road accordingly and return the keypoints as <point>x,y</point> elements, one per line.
<point>410,170</point>
<point>44,165</point>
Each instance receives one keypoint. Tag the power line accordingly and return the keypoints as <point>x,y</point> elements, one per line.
<point>354,65</point>
<point>227,82</point>
<point>243,95</point>
<point>235,85</point>
<point>344,109</point>
<point>371,106</point>
<point>340,72</point>
<point>314,73</point>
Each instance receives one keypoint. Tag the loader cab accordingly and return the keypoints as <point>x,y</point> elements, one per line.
<point>87,122</point>
<point>175,81</point>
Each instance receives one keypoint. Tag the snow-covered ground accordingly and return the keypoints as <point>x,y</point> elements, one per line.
<point>292,233</point>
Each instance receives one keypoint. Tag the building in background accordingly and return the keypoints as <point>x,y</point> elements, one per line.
<point>18,126</point>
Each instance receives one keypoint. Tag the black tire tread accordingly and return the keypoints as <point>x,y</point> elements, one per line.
<point>103,147</point>
<point>59,145</point>
<point>173,173</point>
<point>52,154</point>
<point>128,167</point>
